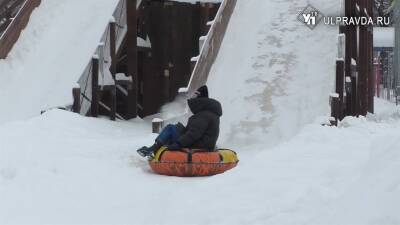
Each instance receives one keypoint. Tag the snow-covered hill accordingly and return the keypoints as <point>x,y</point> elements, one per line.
<point>50,56</point>
<point>273,76</point>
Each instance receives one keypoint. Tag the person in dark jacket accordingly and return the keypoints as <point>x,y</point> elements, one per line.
<point>201,132</point>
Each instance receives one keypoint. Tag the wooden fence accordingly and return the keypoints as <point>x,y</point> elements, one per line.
<point>355,80</point>
<point>99,75</point>
<point>210,48</point>
<point>8,10</point>
<point>14,28</point>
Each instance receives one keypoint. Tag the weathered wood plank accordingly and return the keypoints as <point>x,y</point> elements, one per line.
<point>13,31</point>
<point>211,46</point>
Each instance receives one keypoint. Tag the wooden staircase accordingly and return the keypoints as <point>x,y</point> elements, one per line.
<point>136,69</point>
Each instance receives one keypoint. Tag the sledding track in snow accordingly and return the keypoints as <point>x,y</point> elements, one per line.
<point>273,74</point>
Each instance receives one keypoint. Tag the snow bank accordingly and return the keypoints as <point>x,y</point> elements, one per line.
<point>55,169</point>
<point>75,170</point>
<point>51,55</point>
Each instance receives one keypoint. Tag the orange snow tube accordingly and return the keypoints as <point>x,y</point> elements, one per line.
<point>192,163</point>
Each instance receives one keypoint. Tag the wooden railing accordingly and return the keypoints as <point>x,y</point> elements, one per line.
<point>14,28</point>
<point>99,73</point>
<point>210,48</point>
<point>8,10</point>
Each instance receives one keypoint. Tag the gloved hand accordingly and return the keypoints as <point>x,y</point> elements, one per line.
<point>174,146</point>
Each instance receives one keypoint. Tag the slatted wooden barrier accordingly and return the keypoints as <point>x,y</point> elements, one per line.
<point>137,80</point>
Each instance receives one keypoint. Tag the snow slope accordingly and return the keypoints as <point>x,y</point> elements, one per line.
<point>50,55</point>
<point>273,75</point>
<point>61,168</point>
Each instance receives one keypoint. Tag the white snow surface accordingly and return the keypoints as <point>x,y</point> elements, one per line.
<point>273,74</point>
<point>273,77</point>
<point>51,55</point>
<point>61,168</point>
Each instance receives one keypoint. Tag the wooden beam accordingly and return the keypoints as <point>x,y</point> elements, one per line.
<point>371,88</point>
<point>354,90</point>
<point>113,69</point>
<point>131,38</point>
<point>334,99</point>
<point>113,102</point>
<point>76,93</point>
<point>340,88</point>
<point>12,33</point>
<point>351,54</point>
<point>94,109</point>
<point>113,52</point>
<point>362,68</point>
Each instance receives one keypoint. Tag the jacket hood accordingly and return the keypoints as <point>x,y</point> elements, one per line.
<point>205,104</point>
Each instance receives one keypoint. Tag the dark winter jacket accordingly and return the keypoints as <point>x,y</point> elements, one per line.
<point>202,129</point>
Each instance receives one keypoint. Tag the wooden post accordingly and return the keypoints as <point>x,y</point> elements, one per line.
<point>363,73</point>
<point>347,66</point>
<point>113,43</point>
<point>334,99</point>
<point>371,78</point>
<point>377,67</point>
<point>340,87</point>
<point>113,111</point>
<point>352,43</point>
<point>347,31</point>
<point>131,39</point>
<point>365,61</point>
<point>340,71</point>
<point>76,106</point>
<point>354,89</point>
<point>113,68</point>
<point>166,85</point>
<point>157,125</point>
<point>370,49</point>
<point>95,87</point>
